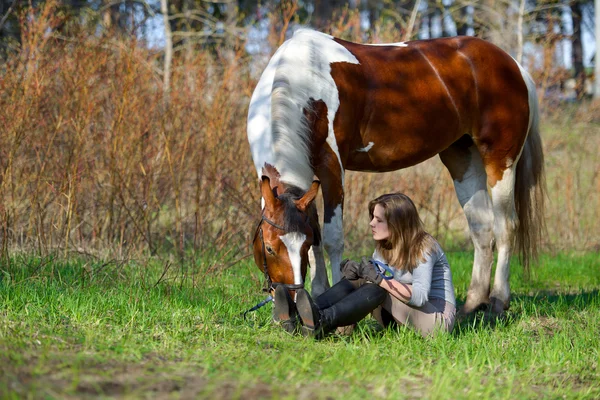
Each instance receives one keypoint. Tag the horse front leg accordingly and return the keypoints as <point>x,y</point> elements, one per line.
<point>318,270</point>
<point>331,175</point>
<point>333,238</point>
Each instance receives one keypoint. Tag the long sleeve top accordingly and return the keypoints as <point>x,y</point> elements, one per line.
<point>431,278</point>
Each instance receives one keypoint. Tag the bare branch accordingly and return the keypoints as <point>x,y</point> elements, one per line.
<point>10,9</point>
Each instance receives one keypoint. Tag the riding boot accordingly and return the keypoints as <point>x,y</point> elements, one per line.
<point>334,294</point>
<point>284,310</point>
<point>351,309</point>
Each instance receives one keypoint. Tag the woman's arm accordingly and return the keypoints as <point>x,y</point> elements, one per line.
<point>401,291</point>
<point>421,284</point>
<point>417,293</point>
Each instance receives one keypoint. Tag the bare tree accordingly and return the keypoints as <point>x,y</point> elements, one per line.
<point>411,22</point>
<point>597,57</point>
<point>577,48</point>
<point>324,11</point>
<point>520,31</point>
<point>164,9</point>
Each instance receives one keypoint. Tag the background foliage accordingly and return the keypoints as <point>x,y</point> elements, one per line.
<point>110,148</point>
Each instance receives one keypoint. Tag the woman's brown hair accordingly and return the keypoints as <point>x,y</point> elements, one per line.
<point>408,242</point>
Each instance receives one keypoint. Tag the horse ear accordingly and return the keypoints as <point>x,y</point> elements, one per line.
<point>308,197</point>
<point>267,192</point>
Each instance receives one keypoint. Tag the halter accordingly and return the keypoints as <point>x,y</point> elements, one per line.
<point>270,284</point>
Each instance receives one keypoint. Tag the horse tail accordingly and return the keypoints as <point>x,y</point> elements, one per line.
<point>530,185</point>
<point>289,122</point>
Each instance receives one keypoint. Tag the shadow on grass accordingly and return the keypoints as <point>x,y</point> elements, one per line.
<point>535,305</point>
<point>541,304</point>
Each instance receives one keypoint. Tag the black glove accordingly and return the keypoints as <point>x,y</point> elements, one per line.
<point>349,269</point>
<point>368,271</point>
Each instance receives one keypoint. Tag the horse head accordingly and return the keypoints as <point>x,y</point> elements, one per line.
<point>285,233</point>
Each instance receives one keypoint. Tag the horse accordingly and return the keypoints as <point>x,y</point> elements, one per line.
<point>324,105</point>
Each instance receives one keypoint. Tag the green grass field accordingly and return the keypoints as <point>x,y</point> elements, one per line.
<point>87,329</point>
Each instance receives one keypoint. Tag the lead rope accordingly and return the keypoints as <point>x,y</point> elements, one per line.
<point>259,305</point>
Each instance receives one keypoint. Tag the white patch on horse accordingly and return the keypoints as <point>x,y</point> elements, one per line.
<point>472,193</point>
<point>366,148</point>
<point>398,44</point>
<point>504,227</point>
<point>303,73</point>
<point>259,132</point>
<point>293,242</point>
<point>471,180</point>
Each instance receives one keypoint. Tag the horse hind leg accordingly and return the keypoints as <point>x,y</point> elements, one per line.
<point>505,224</point>
<point>470,182</point>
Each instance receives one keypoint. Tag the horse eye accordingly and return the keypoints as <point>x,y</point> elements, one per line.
<point>270,250</point>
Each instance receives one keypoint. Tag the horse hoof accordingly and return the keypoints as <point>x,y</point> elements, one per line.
<point>316,291</point>
<point>497,306</point>
<point>290,326</point>
<point>471,307</point>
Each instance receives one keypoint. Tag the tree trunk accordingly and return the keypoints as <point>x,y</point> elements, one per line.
<point>324,10</point>
<point>432,18</point>
<point>444,21</point>
<point>597,56</point>
<point>489,21</point>
<point>462,25</point>
<point>164,9</point>
<point>411,24</point>
<point>577,49</point>
<point>520,32</point>
<point>373,14</point>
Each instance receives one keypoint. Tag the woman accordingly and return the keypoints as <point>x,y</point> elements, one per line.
<point>421,293</point>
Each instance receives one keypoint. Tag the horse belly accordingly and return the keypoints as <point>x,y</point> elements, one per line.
<point>385,156</point>
<point>396,138</point>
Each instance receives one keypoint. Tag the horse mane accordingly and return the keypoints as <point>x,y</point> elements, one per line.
<point>295,78</point>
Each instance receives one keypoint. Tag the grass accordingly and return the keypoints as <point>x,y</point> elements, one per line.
<point>85,329</point>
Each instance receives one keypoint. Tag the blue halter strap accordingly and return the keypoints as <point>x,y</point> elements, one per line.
<point>383,269</point>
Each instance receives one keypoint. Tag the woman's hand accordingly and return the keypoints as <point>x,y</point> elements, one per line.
<point>368,271</point>
<point>349,269</point>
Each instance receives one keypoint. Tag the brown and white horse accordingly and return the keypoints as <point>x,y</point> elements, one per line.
<point>324,105</point>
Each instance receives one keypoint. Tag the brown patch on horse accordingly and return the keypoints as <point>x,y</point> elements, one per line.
<point>400,104</point>
<point>317,121</point>
<point>325,161</point>
<point>414,102</point>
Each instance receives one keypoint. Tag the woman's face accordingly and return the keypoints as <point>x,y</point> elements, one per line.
<point>379,225</point>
